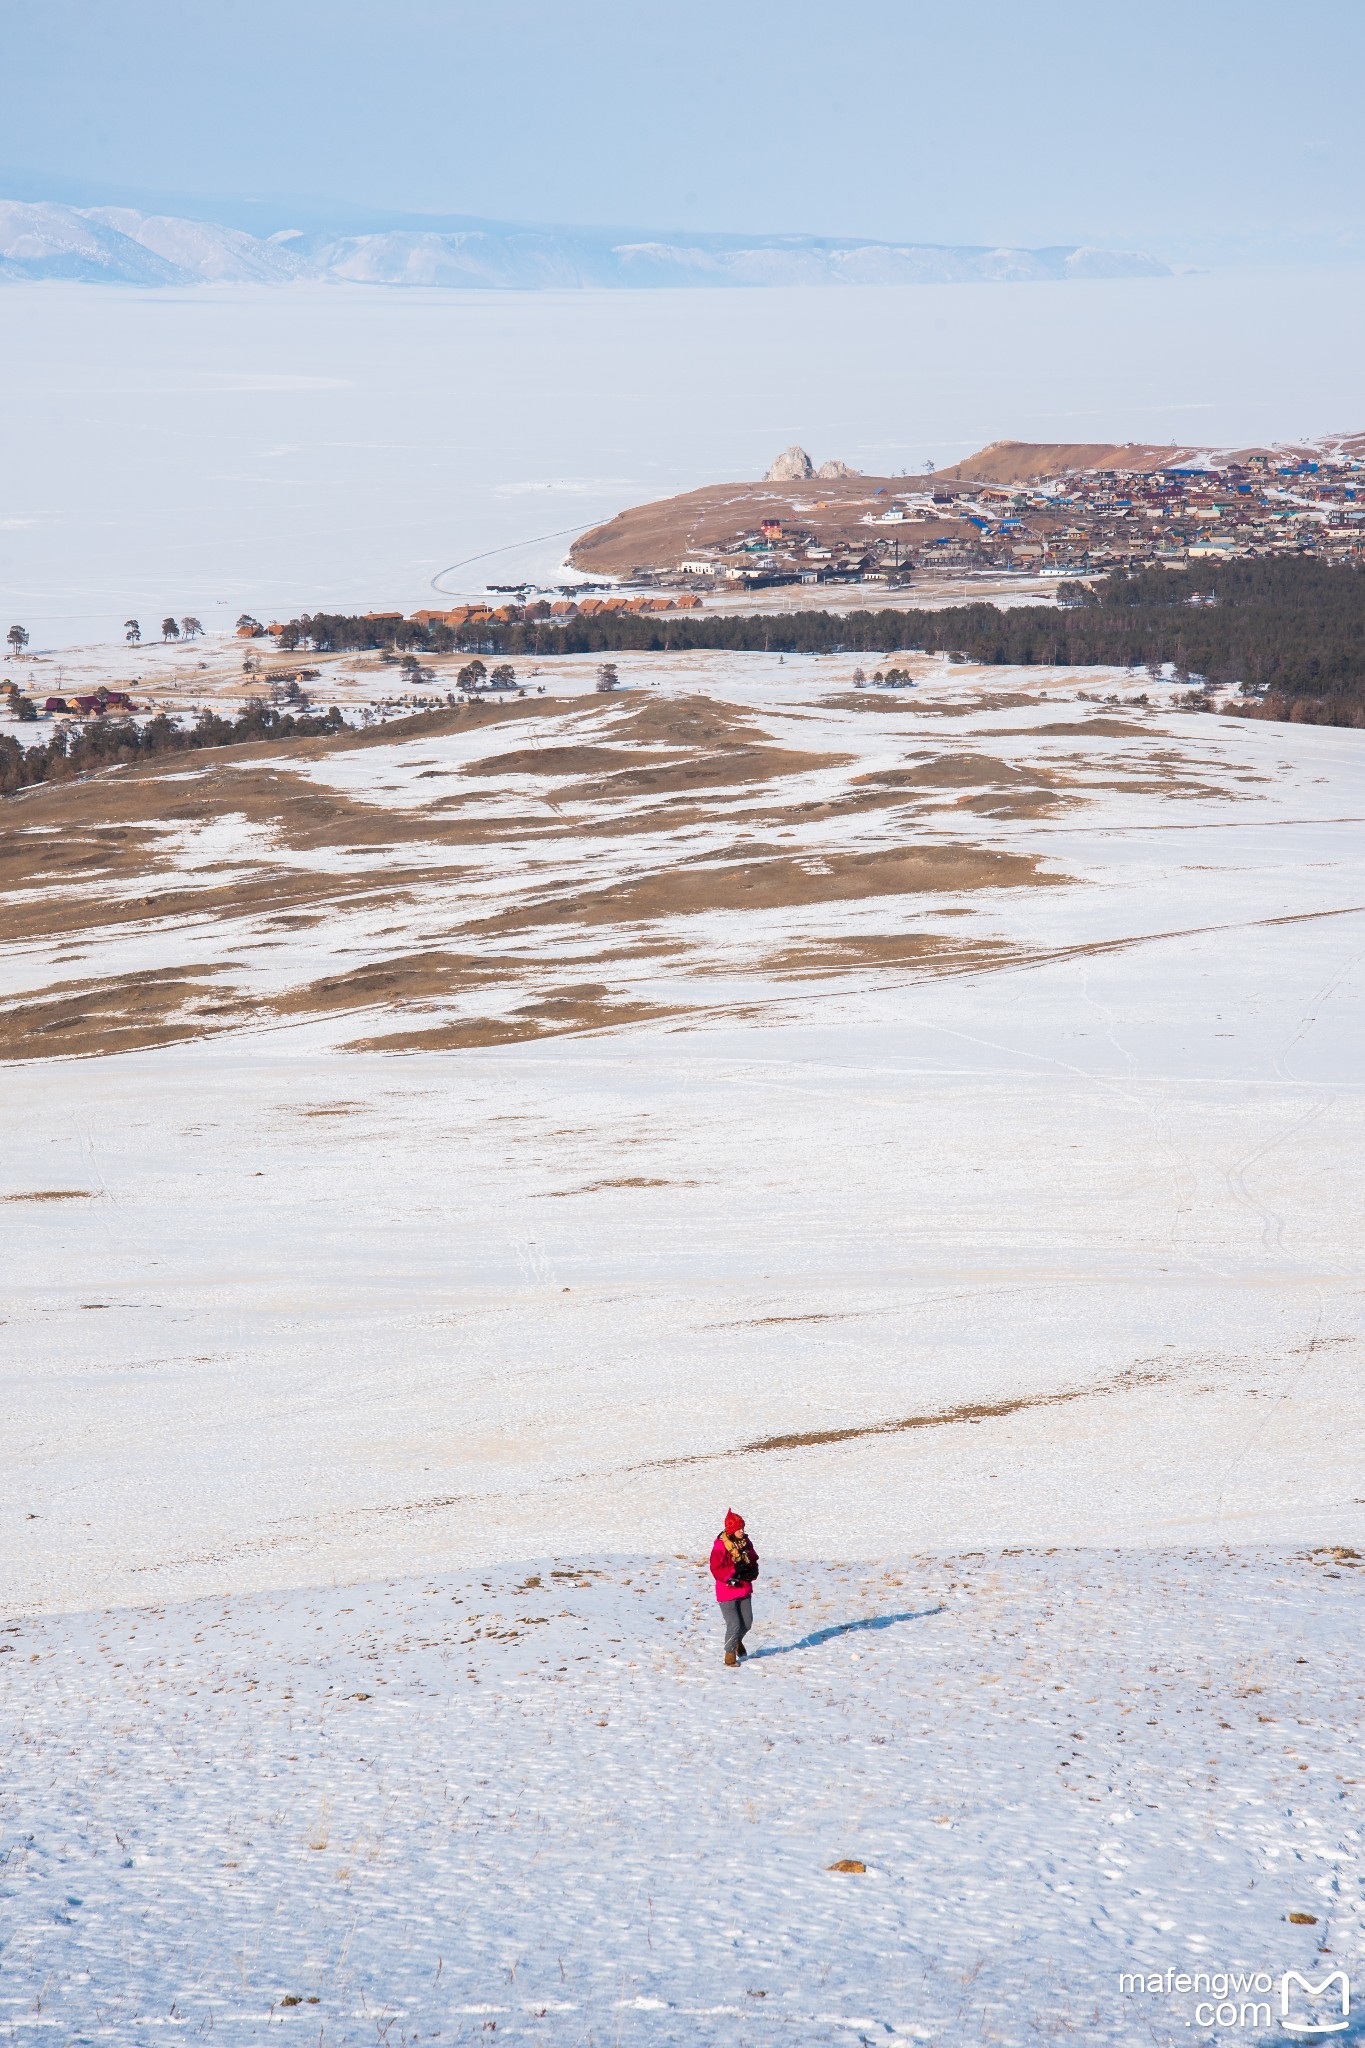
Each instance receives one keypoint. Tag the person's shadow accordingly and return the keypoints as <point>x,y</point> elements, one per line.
<point>845,1628</point>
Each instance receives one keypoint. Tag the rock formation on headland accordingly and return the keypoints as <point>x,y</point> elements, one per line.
<point>793,466</point>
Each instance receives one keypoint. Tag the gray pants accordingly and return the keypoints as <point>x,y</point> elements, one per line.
<point>739,1619</point>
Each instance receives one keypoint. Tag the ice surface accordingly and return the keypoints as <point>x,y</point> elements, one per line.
<point>311,447</point>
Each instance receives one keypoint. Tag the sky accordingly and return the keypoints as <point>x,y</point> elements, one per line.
<point>1204,130</point>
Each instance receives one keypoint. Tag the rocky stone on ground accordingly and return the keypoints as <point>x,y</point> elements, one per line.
<point>792,466</point>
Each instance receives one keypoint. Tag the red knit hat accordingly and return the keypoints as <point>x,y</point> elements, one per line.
<point>733,1523</point>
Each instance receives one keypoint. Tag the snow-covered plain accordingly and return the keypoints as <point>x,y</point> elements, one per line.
<point>530,1805</point>
<point>930,1124</point>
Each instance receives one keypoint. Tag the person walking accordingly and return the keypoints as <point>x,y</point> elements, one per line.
<point>734,1567</point>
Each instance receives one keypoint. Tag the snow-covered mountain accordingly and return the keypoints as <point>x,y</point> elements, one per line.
<point>199,248</point>
<point>45,240</point>
<point>120,245</point>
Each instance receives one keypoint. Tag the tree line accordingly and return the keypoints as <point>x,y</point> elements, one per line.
<point>104,742</point>
<point>1290,633</point>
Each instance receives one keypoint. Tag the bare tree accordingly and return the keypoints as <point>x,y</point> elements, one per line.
<point>132,632</point>
<point>169,629</point>
<point>191,628</point>
<point>18,639</point>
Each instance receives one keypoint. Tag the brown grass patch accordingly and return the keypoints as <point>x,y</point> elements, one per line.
<point>120,1014</point>
<point>727,768</point>
<point>787,883</point>
<point>869,700</point>
<point>409,977</point>
<point>255,895</point>
<point>1017,803</point>
<point>695,721</point>
<point>32,857</point>
<point>54,1195</point>
<point>581,760</point>
<point>1012,462</point>
<point>456,718</point>
<point>554,1016</point>
<point>463,1034</point>
<point>944,1418</point>
<point>954,771</point>
<point>985,701</point>
<point>870,950</point>
<point>658,535</point>
<point>930,707</point>
<point>1091,728</point>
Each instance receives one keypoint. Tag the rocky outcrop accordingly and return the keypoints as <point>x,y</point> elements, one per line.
<point>832,469</point>
<point>793,466</point>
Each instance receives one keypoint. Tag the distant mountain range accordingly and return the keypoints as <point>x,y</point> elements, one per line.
<point>120,245</point>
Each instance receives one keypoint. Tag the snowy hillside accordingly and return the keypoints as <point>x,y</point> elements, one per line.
<point>116,244</point>
<point>446,1165</point>
<point>198,249</point>
<point>511,1134</point>
<point>48,241</point>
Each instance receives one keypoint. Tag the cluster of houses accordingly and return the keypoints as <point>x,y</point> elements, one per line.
<point>1086,520</point>
<point>96,705</point>
<point>557,608</point>
<point>462,616</point>
<point>1097,519</point>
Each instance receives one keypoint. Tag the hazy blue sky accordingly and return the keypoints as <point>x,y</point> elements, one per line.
<point>1190,125</point>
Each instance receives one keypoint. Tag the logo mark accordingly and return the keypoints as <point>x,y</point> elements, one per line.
<point>1340,1999</point>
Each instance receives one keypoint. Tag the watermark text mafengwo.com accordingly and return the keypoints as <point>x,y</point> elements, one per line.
<point>1252,1998</point>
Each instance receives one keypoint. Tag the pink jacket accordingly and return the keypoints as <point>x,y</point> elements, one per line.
<point>720,1572</point>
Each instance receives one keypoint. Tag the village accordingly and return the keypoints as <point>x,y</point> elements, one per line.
<point>1017,521</point>
<point>1009,511</point>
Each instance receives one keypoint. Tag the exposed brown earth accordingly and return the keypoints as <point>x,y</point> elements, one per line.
<point>565,889</point>
<point>659,535</point>
<point>118,1014</point>
<point>1093,728</point>
<point>550,1018</point>
<point>559,761</point>
<point>884,949</point>
<point>940,707</point>
<point>409,978</point>
<point>954,771</point>
<point>1018,462</point>
<point>785,884</point>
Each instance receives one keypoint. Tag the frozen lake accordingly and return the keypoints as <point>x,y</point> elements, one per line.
<point>281,449</point>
